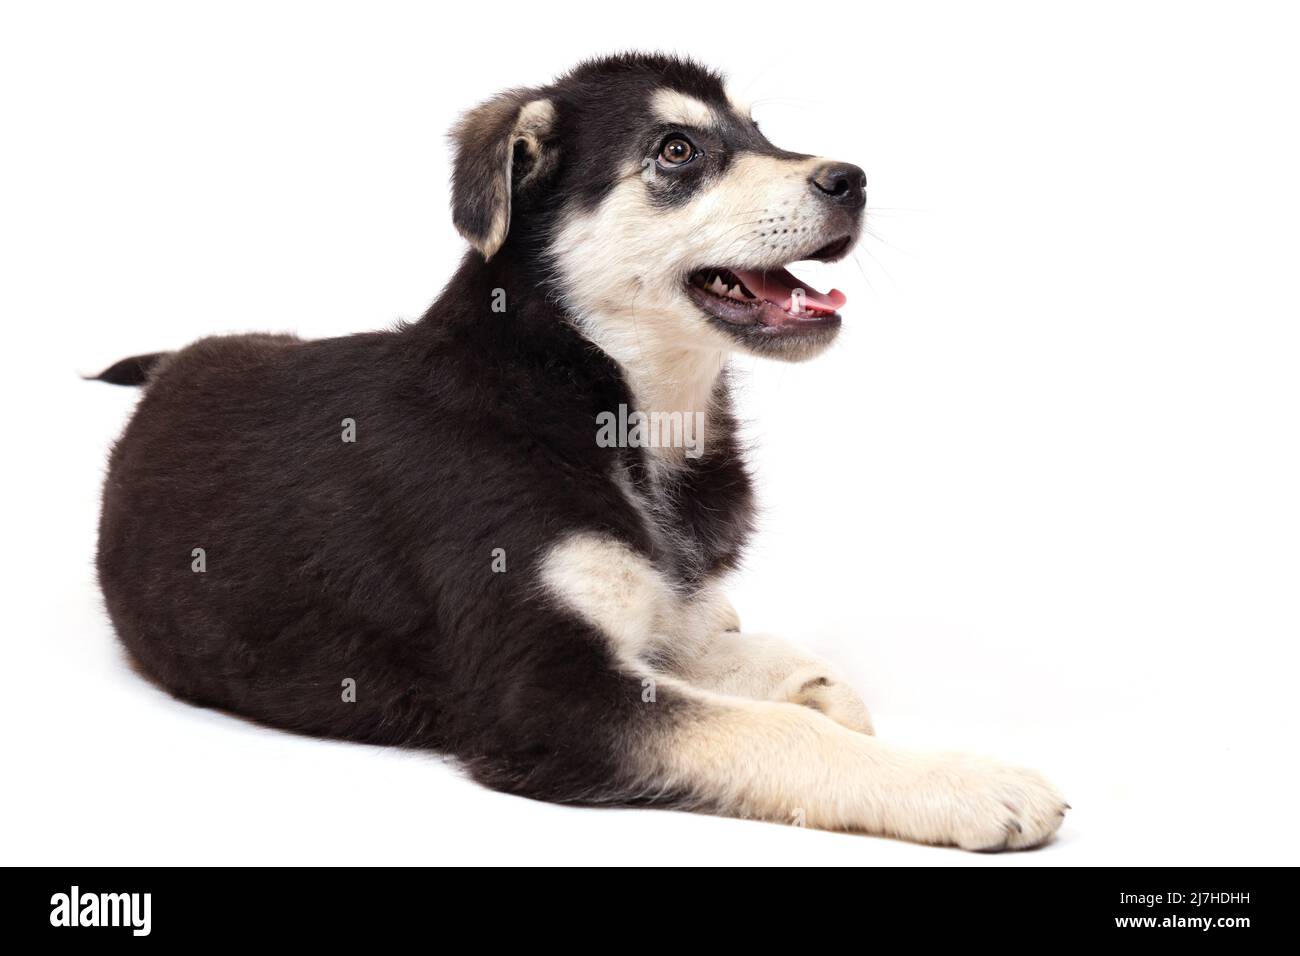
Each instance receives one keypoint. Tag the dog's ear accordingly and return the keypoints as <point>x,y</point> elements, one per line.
<point>503,147</point>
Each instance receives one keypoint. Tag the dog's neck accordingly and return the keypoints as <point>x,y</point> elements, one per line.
<point>663,376</point>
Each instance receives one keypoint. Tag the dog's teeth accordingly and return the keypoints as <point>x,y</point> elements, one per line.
<point>724,285</point>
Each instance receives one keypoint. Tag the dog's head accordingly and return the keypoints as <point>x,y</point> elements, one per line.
<point>664,217</point>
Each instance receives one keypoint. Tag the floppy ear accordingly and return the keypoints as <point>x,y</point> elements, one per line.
<point>501,149</point>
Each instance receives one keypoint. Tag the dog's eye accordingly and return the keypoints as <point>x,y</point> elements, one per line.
<point>677,151</point>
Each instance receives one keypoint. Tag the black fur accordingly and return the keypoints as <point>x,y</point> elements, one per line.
<point>130,371</point>
<point>603,132</point>
<point>372,560</point>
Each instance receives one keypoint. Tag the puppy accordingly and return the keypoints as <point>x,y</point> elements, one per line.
<point>500,533</point>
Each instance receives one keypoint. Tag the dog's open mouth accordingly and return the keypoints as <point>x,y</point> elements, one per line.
<point>772,300</point>
<point>772,297</point>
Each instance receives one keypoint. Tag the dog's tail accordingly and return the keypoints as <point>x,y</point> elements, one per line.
<point>130,371</point>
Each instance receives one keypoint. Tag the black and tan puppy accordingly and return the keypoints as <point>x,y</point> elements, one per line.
<point>500,532</point>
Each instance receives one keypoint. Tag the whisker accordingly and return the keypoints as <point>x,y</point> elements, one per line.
<point>858,263</point>
<point>887,273</point>
<point>867,230</point>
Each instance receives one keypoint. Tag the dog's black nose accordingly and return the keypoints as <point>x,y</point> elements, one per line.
<point>842,183</point>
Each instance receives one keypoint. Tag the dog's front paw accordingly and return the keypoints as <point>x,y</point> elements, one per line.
<point>980,804</point>
<point>830,695</point>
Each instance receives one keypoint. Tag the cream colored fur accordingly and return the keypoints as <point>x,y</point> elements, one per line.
<point>764,667</point>
<point>679,109</point>
<point>783,762</point>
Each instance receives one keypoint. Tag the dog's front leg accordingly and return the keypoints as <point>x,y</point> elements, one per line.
<point>764,667</point>
<point>779,762</point>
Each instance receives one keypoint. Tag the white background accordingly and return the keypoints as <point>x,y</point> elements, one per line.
<point>1040,501</point>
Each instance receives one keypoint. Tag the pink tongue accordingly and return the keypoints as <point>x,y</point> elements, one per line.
<point>778,286</point>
